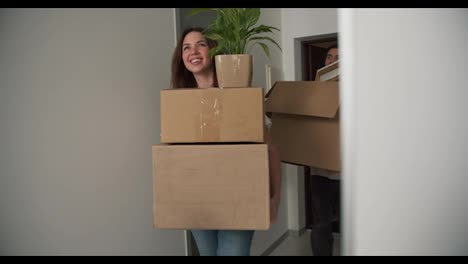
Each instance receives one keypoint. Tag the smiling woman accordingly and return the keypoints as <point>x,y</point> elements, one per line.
<point>191,65</point>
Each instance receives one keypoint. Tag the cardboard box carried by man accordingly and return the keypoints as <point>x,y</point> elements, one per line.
<point>305,121</point>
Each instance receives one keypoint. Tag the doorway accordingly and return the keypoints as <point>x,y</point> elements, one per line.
<point>313,57</point>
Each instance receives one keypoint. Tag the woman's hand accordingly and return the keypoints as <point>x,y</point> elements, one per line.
<point>275,178</point>
<point>274,206</point>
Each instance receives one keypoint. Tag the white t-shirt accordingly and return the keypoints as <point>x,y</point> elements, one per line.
<point>268,122</point>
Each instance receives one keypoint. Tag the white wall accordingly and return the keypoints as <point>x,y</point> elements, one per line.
<point>300,23</point>
<point>201,20</point>
<point>269,17</point>
<point>404,87</point>
<point>79,106</point>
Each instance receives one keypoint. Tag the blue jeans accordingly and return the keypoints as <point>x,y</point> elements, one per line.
<point>223,242</point>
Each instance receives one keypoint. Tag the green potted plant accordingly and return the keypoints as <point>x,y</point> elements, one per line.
<point>235,31</point>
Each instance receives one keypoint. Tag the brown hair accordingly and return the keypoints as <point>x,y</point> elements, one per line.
<point>181,77</point>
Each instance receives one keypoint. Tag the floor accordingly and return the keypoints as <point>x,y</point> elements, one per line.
<point>295,245</point>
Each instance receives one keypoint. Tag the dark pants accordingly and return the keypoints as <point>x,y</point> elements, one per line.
<point>325,210</point>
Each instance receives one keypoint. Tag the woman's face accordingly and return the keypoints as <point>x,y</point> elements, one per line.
<point>195,53</point>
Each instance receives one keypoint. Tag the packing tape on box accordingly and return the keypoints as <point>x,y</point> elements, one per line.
<point>210,116</point>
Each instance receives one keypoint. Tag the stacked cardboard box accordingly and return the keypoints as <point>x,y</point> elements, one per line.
<point>211,170</point>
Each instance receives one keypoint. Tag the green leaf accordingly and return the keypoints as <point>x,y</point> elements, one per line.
<point>213,36</point>
<point>195,11</point>
<point>266,38</point>
<point>265,48</point>
<point>253,15</point>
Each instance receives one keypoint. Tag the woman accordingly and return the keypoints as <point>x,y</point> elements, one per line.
<point>192,67</point>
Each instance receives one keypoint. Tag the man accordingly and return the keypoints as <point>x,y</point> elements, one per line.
<point>325,196</point>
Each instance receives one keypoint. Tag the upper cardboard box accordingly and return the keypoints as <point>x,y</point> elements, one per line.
<point>212,115</point>
<point>319,99</point>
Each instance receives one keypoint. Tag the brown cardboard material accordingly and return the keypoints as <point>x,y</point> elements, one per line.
<point>305,122</point>
<point>212,115</point>
<point>211,187</point>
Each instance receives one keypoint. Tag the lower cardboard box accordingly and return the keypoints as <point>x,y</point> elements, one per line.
<point>218,186</point>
